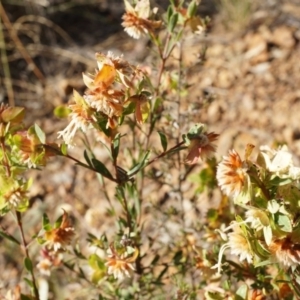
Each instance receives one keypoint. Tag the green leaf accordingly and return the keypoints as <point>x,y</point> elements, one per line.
<point>40,240</point>
<point>100,168</point>
<point>46,223</point>
<point>140,165</point>
<point>242,293</point>
<point>79,254</point>
<point>13,114</point>
<point>170,12</point>
<point>129,109</point>
<point>259,249</point>
<point>158,104</point>
<point>264,263</point>
<point>9,237</point>
<point>64,149</point>
<point>58,221</point>
<point>40,133</point>
<point>61,111</point>
<point>29,282</point>
<point>96,276</point>
<point>163,140</point>
<point>115,147</point>
<point>70,266</point>
<point>173,22</point>
<point>212,215</point>
<point>284,222</point>
<point>178,257</point>
<point>173,3</point>
<point>213,296</point>
<point>277,181</point>
<point>102,122</point>
<point>28,264</point>
<point>192,9</point>
<point>87,158</point>
<point>96,262</point>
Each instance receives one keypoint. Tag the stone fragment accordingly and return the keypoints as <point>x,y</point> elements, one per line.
<point>283,37</point>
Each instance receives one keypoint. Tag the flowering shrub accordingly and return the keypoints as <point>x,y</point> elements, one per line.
<point>248,248</point>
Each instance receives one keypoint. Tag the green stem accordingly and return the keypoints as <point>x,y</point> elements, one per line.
<point>176,147</point>
<point>20,225</point>
<point>78,162</point>
<point>128,216</point>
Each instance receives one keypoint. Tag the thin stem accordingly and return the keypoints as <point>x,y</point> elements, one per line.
<point>177,146</point>
<point>20,225</point>
<point>164,54</point>
<point>78,162</point>
<point>180,179</point>
<point>128,216</point>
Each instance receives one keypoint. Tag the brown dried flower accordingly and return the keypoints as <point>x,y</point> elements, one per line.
<point>59,238</point>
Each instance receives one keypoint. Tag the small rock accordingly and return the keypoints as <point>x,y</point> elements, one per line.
<point>257,48</point>
<point>283,37</point>
<point>214,112</point>
<point>225,79</point>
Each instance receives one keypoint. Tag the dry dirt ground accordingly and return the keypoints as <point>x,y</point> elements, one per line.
<point>247,89</point>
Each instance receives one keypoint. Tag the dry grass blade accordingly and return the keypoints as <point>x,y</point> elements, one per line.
<point>4,59</point>
<point>44,21</point>
<point>68,55</point>
<point>19,44</point>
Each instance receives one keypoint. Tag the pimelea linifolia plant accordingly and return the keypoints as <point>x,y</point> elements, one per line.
<point>248,248</point>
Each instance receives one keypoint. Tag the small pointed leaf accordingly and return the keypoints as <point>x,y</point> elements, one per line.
<point>163,140</point>
<point>9,237</point>
<point>40,133</point>
<point>100,168</point>
<point>46,223</point>
<point>28,264</point>
<point>115,146</point>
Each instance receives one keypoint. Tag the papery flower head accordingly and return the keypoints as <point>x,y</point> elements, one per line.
<point>199,143</point>
<point>48,259</point>
<point>14,193</point>
<point>108,102</point>
<point>59,238</point>
<point>121,264</point>
<point>82,118</point>
<point>142,106</point>
<point>120,70</point>
<point>136,19</point>
<point>238,244</point>
<point>231,174</point>
<point>285,251</point>
<point>108,88</point>
<point>14,294</point>
<point>30,149</point>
